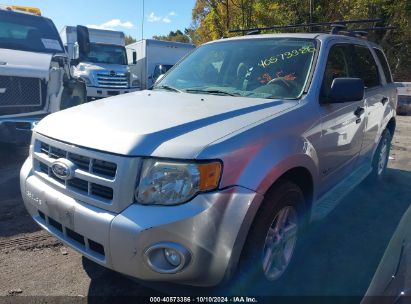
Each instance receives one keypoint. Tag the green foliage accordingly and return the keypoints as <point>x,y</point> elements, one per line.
<point>213,18</point>
<point>129,39</point>
<point>177,36</point>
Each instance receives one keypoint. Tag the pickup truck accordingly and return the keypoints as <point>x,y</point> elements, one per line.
<point>214,172</point>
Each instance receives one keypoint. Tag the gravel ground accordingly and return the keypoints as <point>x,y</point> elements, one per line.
<point>341,252</point>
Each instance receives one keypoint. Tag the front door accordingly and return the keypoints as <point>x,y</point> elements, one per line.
<point>342,123</point>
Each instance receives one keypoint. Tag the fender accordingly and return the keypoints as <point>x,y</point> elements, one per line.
<point>255,162</point>
<point>257,166</point>
<point>276,159</point>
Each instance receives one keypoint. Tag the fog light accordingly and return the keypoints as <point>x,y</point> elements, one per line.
<point>167,257</point>
<point>172,256</point>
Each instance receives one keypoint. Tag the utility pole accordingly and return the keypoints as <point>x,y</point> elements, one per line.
<point>142,24</point>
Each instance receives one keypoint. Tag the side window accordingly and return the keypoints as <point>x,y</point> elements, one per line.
<point>366,66</point>
<point>384,64</point>
<point>339,64</point>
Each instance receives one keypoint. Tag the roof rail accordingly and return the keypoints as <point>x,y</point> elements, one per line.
<point>336,26</point>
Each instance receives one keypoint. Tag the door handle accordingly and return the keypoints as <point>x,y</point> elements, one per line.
<point>384,100</point>
<point>359,111</point>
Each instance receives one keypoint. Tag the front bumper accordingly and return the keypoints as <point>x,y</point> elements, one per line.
<point>212,227</point>
<point>98,92</point>
<point>17,130</point>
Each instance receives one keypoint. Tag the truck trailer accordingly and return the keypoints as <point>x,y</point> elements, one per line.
<point>154,58</point>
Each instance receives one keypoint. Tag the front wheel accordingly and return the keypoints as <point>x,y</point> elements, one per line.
<point>273,236</point>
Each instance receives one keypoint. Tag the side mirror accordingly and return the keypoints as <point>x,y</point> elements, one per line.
<point>74,62</point>
<point>345,90</point>
<point>159,78</point>
<point>83,40</point>
<point>76,51</point>
<point>134,57</point>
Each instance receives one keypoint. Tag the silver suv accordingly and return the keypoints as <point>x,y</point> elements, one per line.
<point>220,165</point>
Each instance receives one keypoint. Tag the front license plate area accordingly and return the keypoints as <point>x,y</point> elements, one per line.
<point>52,207</point>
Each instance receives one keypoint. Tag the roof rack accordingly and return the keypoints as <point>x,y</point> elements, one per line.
<point>336,27</point>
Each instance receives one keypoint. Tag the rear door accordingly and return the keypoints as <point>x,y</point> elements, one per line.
<point>376,97</point>
<point>342,123</point>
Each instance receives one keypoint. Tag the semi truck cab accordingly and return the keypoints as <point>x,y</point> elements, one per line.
<point>35,77</point>
<point>102,63</point>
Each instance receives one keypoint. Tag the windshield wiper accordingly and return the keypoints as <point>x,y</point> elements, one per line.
<point>218,92</point>
<point>168,88</point>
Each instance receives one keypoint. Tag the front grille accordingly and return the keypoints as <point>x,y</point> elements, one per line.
<point>111,81</point>
<point>101,179</point>
<point>21,94</point>
<point>88,173</point>
<point>102,191</point>
<point>83,243</point>
<point>97,166</point>
<point>78,184</point>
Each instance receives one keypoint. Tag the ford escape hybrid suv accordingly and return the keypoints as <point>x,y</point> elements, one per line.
<point>221,163</point>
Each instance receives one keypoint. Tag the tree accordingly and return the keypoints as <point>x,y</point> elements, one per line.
<point>177,36</point>
<point>212,19</point>
<point>129,39</point>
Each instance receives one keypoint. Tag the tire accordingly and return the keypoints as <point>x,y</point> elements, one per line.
<point>380,160</point>
<point>284,200</point>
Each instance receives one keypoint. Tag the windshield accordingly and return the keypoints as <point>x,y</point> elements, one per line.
<point>30,33</point>
<point>106,53</point>
<point>265,68</point>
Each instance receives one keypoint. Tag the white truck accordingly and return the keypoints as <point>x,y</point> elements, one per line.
<point>103,64</point>
<point>35,77</point>
<point>155,58</point>
<point>404,98</point>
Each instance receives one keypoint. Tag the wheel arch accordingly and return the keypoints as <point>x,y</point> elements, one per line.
<point>391,125</point>
<point>302,177</point>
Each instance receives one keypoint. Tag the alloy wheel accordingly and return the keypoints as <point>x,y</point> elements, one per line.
<point>280,243</point>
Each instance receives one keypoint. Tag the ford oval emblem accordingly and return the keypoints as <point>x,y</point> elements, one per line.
<point>63,169</point>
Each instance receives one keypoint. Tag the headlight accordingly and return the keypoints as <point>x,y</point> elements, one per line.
<point>135,83</point>
<point>86,80</point>
<point>171,183</point>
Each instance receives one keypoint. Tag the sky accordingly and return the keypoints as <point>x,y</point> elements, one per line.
<point>160,16</point>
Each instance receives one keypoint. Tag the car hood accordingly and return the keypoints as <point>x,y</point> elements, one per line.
<point>24,64</point>
<point>157,123</point>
